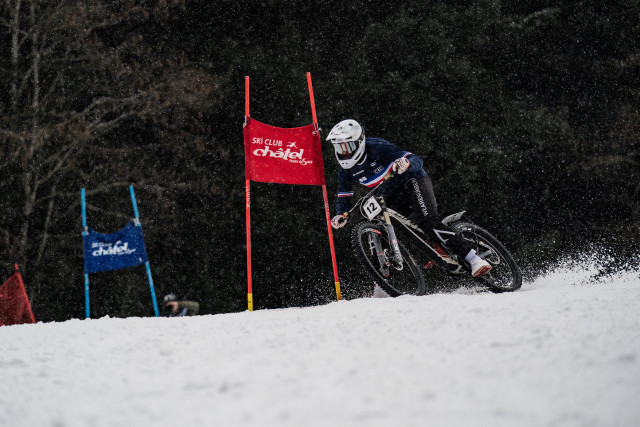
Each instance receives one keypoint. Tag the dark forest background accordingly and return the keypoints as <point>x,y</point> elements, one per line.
<point>527,115</point>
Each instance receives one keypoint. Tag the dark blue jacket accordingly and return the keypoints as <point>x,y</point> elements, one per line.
<point>379,156</point>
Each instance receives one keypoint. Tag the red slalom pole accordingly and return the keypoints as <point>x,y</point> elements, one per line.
<point>313,102</point>
<point>246,96</point>
<point>326,199</point>
<point>248,202</point>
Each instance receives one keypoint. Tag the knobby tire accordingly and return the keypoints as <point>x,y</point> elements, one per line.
<point>505,276</point>
<point>409,280</point>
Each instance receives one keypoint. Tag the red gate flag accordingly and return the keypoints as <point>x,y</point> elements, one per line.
<point>283,155</point>
<point>14,304</point>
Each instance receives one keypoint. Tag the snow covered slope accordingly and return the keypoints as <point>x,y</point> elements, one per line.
<point>557,352</point>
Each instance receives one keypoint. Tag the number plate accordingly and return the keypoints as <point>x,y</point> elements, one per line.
<point>372,208</point>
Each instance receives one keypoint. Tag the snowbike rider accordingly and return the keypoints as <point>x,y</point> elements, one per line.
<point>367,161</point>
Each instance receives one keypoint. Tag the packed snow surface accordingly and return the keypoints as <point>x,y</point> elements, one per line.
<point>562,351</point>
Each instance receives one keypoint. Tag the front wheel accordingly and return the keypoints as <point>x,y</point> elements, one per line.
<point>505,276</point>
<point>371,245</point>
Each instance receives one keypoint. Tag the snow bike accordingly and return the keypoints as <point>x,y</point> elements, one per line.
<point>398,272</point>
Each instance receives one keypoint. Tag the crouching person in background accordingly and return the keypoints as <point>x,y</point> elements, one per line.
<point>176,308</point>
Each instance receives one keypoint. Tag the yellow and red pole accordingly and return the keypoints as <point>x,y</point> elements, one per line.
<point>248,203</point>
<point>326,200</point>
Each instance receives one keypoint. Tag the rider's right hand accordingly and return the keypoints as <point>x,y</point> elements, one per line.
<point>401,165</point>
<point>338,221</point>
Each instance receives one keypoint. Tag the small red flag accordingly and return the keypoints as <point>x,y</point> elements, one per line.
<point>283,155</point>
<point>14,304</point>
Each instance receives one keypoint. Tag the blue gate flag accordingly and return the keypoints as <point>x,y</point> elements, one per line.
<point>105,252</point>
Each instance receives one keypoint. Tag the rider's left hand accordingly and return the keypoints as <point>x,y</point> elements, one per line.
<point>401,165</point>
<point>338,221</point>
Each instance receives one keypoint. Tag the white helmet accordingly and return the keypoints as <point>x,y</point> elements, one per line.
<point>347,138</point>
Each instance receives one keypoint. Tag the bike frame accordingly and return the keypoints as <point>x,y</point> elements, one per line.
<point>437,254</point>
<point>383,244</point>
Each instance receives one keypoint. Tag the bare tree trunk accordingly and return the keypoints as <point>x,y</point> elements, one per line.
<point>29,179</point>
<point>35,57</point>
<point>15,38</point>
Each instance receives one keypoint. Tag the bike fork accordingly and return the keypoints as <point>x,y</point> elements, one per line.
<point>397,256</point>
<point>376,247</point>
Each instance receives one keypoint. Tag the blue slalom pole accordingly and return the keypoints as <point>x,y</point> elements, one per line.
<point>146,264</point>
<point>153,292</point>
<point>86,276</point>
<point>84,213</point>
<point>86,296</point>
<point>135,205</point>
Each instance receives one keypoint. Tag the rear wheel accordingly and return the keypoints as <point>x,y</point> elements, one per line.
<point>505,276</point>
<point>372,247</point>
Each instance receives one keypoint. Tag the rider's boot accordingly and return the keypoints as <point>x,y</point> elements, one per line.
<point>479,267</point>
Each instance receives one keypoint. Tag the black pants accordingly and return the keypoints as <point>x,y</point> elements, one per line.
<point>418,201</point>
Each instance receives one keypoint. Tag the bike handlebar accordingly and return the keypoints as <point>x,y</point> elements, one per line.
<point>377,188</point>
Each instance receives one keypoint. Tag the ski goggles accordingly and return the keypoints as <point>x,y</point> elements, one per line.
<point>345,150</point>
